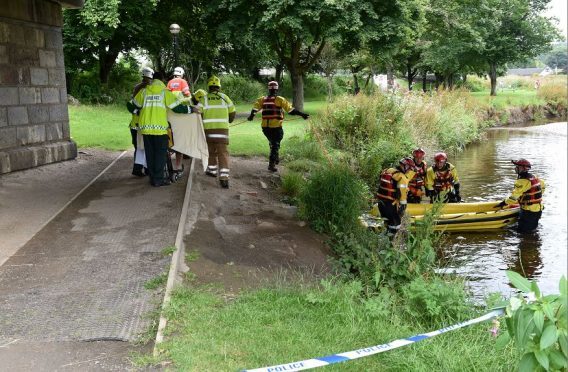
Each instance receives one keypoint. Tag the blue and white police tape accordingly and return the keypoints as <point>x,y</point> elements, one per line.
<point>356,354</point>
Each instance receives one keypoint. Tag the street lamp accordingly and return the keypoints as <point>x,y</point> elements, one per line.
<point>174,30</point>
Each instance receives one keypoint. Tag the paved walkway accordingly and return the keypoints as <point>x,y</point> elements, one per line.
<point>81,277</point>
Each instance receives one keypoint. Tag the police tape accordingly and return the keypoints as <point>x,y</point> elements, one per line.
<point>356,354</point>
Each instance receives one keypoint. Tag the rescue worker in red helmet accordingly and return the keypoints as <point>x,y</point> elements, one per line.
<point>392,193</point>
<point>179,86</point>
<point>416,184</point>
<point>273,108</point>
<point>442,181</point>
<point>527,192</point>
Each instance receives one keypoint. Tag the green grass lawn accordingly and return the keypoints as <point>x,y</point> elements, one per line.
<point>291,323</point>
<point>509,98</point>
<point>107,127</point>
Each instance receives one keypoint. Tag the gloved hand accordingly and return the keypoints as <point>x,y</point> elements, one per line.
<point>458,198</point>
<point>429,193</point>
<point>500,205</point>
<point>305,116</point>
<point>250,117</point>
<point>401,209</point>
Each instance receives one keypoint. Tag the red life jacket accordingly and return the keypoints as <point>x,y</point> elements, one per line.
<point>532,195</point>
<point>416,183</point>
<point>388,189</point>
<point>444,179</point>
<point>270,110</point>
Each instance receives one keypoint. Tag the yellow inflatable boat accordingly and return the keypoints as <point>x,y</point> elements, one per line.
<point>454,217</point>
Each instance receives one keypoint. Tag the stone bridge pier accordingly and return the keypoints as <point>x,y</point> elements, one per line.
<point>34,121</point>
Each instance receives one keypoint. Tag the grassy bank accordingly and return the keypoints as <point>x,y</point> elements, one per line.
<point>289,321</point>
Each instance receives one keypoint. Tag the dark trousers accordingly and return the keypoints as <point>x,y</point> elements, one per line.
<point>274,137</point>
<point>528,221</point>
<point>390,212</point>
<point>136,168</point>
<point>156,148</point>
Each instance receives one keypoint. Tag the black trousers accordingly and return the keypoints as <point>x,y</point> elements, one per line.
<point>528,221</point>
<point>274,136</point>
<point>390,212</point>
<point>136,168</point>
<point>156,149</point>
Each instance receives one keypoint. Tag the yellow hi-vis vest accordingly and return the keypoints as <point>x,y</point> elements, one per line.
<point>153,102</point>
<point>216,110</point>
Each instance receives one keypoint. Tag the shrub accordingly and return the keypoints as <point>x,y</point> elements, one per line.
<point>241,89</point>
<point>475,84</point>
<point>435,301</point>
<point>333,197</point>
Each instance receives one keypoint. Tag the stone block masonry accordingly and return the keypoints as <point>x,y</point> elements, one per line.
<point>34,120</point>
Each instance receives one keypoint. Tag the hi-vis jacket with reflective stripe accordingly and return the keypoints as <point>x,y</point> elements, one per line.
<point>442,179</point>
<point>276,106</point>
<point>527,192</point>
<point>153,102</point>
<point>216,109</point>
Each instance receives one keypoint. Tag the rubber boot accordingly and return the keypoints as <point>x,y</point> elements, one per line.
<point>272,168</point>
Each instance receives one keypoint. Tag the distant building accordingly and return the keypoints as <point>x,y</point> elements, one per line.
<point>34,121</point>
<point>540,71</point>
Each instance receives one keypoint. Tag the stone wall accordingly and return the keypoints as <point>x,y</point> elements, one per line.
<point>34,121</point>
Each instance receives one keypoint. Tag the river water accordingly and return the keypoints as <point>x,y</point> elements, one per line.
<point>486,174</point>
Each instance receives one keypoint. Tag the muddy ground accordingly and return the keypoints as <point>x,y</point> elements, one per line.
<point>247,233</point>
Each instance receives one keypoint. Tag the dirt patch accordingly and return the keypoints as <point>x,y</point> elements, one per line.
<point>246,234</point>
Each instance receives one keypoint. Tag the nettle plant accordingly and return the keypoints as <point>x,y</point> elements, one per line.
<point>538,325</point>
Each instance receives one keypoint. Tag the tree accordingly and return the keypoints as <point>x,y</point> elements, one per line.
<point>102,29</point>
<point>328,64</point>
<point>513,30</point>
<point>557,58</point>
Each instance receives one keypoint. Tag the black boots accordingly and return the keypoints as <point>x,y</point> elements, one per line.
<point>224,183</point>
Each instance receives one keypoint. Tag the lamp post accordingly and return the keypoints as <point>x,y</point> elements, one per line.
<point>174,30</point>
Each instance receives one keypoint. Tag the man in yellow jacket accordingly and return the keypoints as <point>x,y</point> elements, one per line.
<point>218,111</point>
<point>442,181</point>
<point>392,193</point>
<point>147,74</point>
<point>273,108</point>
<point>152,103</point>
<point>527,192</point>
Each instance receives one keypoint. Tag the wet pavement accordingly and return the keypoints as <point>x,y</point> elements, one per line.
<point>72,295</point>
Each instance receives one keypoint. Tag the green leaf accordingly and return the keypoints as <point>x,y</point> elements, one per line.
<point>548,311</point>
<point>519,282</point>
<point>557,360</point>
<point>535,289</point>
<point>563,341</point>
<point>542,358</point>
<point>563,286</point>
<point>528,363</point>
<point>502,341</point>
<point>548,337</point>
<point>538,320</point>
<point>525,326</point>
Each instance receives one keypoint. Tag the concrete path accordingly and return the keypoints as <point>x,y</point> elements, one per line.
<point>81,276</point>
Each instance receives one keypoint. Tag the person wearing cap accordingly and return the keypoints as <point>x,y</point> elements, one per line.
<point>392,193</point>
<point>152,103</point>
<point>527,192</point>
<point>416,183</point>
<point>179,85</point>
<point>442,181</point>
<point>273,108</point>
<point>218,111</point>
<point>147,74</point>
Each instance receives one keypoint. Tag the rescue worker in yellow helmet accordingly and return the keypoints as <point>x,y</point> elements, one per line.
<point>416,183</point>
<point>152,104</point>
<point>147,74</point>
<point>273,108</point>
<point>442,181</point>
<point>218,111</point>
<point>392,193</point>
<point>527,192</point>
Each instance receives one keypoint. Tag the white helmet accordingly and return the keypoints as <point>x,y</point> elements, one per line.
<point>148,72</point>
<point>178,71</point>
